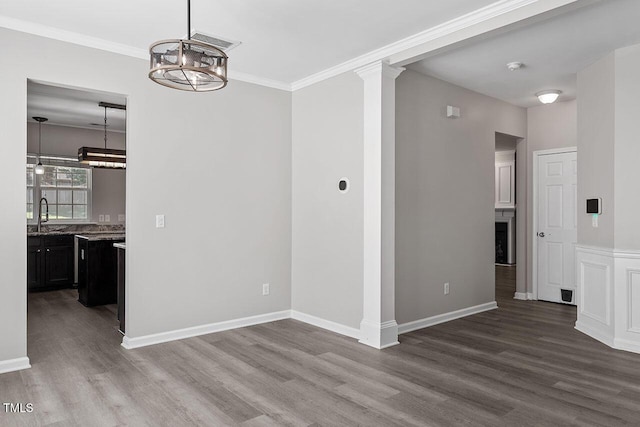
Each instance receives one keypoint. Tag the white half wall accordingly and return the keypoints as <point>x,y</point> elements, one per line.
<point>609,296</point>
<point>609,255</point>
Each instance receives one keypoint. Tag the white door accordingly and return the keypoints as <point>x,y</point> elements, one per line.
<point>557,229</point>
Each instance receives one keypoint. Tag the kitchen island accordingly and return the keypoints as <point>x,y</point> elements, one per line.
<point>97,268</point>
<point>120,248</point>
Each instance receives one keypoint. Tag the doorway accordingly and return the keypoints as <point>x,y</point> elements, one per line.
<point>555,225</point>
<point>76,186</point>
<point>505,215</point>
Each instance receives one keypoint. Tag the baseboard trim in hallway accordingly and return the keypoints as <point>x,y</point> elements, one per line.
<point>326,324</point>
<point>146,340</point>
<point>179,334</point>
<point>524,296</point>
<point>12,365</point>
<point>446,317</point>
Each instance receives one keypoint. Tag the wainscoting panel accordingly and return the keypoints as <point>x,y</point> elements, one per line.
<point>633,288</point>
<point>595,279</point>
<point>609,296</point>
<point>595,293</point>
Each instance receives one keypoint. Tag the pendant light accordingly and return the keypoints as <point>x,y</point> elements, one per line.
<point>39,169</point>
<point>190,65</point>
<point>104,157</point>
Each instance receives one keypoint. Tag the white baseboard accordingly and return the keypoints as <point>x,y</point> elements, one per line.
<point>446,317</point>
<point>524,296</point>
<point>595,333</point>
<point>143,341</point>
<point>326,324</point>
<point>626,345</point>
<point>12,365</point>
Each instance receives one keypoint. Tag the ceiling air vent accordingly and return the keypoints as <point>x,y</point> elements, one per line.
<point>224,45</point>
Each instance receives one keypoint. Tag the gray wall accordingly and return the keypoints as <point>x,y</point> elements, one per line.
<point>108,195</point>
<point>548,126</point>
<point>327,275</point>
<point>596,138</point>
<point>608,106</point>
<point>218,165</point>
<point>445,209</point>
<point>627,149</point>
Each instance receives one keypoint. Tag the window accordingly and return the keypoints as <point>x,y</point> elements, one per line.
<point>66,187</point>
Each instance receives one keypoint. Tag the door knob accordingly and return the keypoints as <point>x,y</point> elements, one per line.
<point>541,234</point>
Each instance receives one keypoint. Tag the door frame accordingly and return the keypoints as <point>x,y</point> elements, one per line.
<point>534,207</point>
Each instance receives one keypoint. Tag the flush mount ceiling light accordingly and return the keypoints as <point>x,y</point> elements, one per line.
<point>548,96</point>
<point>190,65</point>
<point>39,169</point>
<point>104,157</point>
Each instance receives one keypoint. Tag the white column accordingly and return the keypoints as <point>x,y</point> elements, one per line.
<point>378,327</point>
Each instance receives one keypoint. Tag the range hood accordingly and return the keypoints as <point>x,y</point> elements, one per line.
<point>104,157</point>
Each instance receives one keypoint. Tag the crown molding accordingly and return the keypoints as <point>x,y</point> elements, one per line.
<point>72,37</point>
<point>121,49</point>
<point>92,128</point>
<point>473,18</point>
<point>379,68</point>
<point>250,78</point>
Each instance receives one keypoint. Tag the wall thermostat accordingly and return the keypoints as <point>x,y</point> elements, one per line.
<point>343,185</point>
<point>594,206</point>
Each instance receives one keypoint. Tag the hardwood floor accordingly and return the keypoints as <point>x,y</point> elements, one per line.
<point>521,365</point>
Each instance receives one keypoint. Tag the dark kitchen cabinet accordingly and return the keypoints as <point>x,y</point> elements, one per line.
<point>34,263</point>
<point>97,272</point>
<point>49,262</point>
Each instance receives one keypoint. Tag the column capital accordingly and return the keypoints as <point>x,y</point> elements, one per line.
<point>379,68</point>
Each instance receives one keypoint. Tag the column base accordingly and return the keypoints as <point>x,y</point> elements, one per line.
<point>379,335</point>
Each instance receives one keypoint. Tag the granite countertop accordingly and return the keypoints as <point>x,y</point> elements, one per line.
<point>72,233</point>
<point>74,229</point>
<point>101,236</point>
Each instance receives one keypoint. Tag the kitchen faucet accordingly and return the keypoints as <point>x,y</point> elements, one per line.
<point>40,221</point>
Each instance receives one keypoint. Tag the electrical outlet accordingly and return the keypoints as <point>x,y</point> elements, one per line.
<point>100,218</point>
<point>265,289</point>
<point>159,221</point>
<point>107,218</point>
<point>120,217</point>
<point>446,288</point>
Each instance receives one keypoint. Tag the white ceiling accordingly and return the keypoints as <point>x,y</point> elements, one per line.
<point>282,40</point>
<point>553,51</point>
<point>72,107</point>
<point>286,41</point>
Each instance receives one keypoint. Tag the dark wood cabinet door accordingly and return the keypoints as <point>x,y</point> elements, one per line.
<point>58,265</point>
<point>34,263</point>
<point>49,262</point>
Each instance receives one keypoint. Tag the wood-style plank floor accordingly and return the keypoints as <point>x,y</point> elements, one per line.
<point>521,365</point>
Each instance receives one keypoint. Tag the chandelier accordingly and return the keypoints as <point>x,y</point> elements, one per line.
<point>190,65</point>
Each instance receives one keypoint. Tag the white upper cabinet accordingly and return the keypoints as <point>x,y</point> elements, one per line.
<point>505,181</point>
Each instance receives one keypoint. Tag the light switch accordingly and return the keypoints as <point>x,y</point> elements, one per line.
<point>100,218</point>
<point>107,218</point>
<point>159,221</point>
